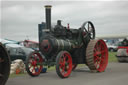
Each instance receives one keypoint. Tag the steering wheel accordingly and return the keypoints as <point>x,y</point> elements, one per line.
<point>88,29</point>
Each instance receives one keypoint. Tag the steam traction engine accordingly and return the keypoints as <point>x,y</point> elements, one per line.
<point>65,48</point>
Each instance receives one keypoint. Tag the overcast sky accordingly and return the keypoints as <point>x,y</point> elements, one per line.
<point>20,19</point>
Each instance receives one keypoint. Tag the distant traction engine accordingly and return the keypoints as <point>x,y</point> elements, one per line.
<point>66,48</point>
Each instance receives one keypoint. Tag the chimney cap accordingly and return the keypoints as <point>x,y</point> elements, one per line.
<point>48,6</point>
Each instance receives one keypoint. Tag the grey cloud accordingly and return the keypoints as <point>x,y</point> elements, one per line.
<point>21,19</point>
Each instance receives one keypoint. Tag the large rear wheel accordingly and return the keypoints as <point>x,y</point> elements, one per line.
<point>34,64</point>
<point>4,65</point>
<point>97,55</point>
<point>63,64</point>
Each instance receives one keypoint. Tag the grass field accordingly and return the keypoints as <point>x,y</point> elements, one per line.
<point>112,58</point>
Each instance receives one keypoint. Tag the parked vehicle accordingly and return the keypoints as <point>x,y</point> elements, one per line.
<point>15,50</point>
<point>112,47</point>
<point>122,53</point>
<point>18,52</point>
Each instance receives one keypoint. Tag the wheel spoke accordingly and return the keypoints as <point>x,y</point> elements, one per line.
<point>95,60</point>
<point>60,66</point>
<point>102,60</point>
<point>33,69</point>
<point>64,60</point>
<point>96,48</point>
<point>30,66</point>
<point>97,57</point>
<point>88,27</point>
<point>68,61</point>
<point>95,54</point>
<point>99,44</point>
<point>103,51</point>
<point>63,69</point>
<point>96,64</point>
<point>61,63</point>
<point>67,67</point>
<point>99,62</point>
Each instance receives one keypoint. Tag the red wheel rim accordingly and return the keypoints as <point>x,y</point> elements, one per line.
<point>65,64</point>
<point>100,55</point>
<point>35,64</point>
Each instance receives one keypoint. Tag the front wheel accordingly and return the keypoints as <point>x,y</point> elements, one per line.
<point>34,64</point>
<point>63,64</point>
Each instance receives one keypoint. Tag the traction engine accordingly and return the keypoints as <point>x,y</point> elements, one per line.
<point>65,48</point>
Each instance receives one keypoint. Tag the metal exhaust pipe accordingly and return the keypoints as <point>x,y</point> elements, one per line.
<point>48,16</point>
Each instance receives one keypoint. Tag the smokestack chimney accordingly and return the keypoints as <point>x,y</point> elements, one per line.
<point>48,16</point>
